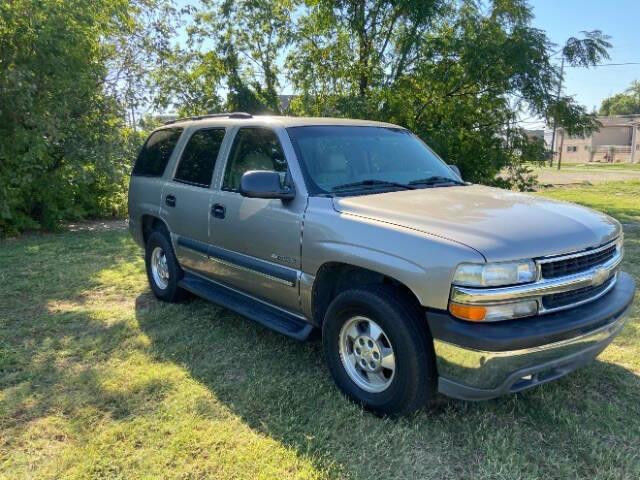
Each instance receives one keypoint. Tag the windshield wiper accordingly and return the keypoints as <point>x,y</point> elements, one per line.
<point>435,180</point>
<point>372,182</point>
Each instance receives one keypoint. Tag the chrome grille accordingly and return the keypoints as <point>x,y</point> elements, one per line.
<point>586,276</point>
<point>581,262</point>
<point>576,297</point>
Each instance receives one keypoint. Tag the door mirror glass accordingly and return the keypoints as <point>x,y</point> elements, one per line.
<point>265,184</point>
<point>456,170</point>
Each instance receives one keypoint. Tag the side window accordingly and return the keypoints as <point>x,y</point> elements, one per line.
<point>199,157</point>
<point>253,149</point>
<point>156,151</point>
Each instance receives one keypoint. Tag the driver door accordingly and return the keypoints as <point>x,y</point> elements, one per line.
<point>255,243</point>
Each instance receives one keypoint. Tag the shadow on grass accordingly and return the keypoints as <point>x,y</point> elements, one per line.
<point>59,357</point>
<point>281,388</point>
<point>53,349</point>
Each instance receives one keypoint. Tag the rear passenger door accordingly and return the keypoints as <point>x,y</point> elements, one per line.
<point>255,243</point>
<point>147,177</point>
<point>186,198</point>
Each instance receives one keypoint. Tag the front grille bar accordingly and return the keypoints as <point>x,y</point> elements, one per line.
<point>569,264</point>
<point>592,277</point>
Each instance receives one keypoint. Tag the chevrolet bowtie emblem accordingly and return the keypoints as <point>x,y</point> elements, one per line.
<point>600,276</point>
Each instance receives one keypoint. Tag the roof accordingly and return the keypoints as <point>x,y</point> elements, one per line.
<point>280,121</point>
<point>619,120</point>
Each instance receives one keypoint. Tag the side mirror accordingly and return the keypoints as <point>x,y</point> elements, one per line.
<point>456,170</point>
<point>264,184</point>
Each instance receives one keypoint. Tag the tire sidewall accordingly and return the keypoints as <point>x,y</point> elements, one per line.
<point>159,239</point>
<point>413,375</point>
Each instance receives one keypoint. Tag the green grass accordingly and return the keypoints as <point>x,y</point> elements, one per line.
<point>594,166</point>
<point>619,199</point>
<point>99,380</point>
<point>602,166</point>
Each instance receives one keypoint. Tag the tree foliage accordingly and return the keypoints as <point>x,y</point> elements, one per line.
<point>459,74</point>
<point>627,103</point>
<point>233,47</point>
<point>78,79</point>
<point>65,149</point>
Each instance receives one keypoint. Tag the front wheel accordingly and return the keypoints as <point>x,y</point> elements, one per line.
<point>379,350</point>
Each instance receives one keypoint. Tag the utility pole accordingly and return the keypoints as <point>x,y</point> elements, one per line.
<point>555,120</point>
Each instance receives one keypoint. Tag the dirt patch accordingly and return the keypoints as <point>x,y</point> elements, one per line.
<point>97,225</point>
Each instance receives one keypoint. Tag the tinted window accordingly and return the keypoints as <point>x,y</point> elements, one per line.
<point>156,152</point>
<point>199,157</point>
<point>253,149</point>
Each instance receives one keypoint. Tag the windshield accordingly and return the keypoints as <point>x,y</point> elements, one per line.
<point>354,158</point>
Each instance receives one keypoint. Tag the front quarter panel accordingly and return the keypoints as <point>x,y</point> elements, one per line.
<point>422,262</point>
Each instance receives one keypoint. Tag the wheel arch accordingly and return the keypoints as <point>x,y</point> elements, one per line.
<point>335,277</point>
<point>150,223</point>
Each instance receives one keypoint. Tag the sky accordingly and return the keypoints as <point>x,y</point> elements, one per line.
<point>620,19</point>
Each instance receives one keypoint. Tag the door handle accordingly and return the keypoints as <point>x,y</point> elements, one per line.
<point>218,210</point>
<point>170,200</point>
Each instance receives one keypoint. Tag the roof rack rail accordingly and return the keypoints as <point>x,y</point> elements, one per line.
<point>211,115</point>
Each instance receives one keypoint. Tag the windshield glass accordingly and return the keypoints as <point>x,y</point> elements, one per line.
<point>335,158</point>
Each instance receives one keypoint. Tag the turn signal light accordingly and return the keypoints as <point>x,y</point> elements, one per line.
<point>473,313</point>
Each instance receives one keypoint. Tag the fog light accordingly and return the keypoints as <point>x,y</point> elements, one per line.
<point>494,313</point>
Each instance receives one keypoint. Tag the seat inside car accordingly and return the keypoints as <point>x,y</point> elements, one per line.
<point>334,170</point>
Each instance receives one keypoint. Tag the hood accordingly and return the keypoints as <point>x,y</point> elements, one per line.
<point>500,224</point>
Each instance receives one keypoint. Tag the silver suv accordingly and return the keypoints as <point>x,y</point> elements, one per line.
<point>418,281</point>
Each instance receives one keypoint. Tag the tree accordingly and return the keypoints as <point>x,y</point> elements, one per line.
<point>459,74</point>
<point>234,47</point>
<point>627,103</point>
<point>65,150</point>
<point>138,44</point>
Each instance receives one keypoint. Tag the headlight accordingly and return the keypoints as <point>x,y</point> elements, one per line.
<point>495,274</point>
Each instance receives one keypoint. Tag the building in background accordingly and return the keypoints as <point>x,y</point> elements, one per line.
<point>537,135</point>
<point>617,141</point>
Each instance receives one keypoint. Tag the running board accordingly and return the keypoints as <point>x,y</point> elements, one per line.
<point>270,317</point>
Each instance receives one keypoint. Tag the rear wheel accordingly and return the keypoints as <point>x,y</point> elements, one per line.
<point>163,270</point>
<point>379,350</point>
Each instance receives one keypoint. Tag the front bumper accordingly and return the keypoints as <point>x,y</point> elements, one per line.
<point>478,361</point>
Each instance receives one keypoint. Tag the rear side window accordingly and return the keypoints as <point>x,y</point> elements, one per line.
<point>156,152</point>
<point>199,157</point>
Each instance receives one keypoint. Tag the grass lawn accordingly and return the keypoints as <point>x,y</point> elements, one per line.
<point>600,166</point>
<point>618,199</point>
<point>589,173</point>
<point>595,166</point>
<point>99,380</point>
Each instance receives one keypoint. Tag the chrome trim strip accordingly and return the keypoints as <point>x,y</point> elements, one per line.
<point>192,250</point>
<point>213,254</point>
<point>541,308</point>
<point>222,285</point>
<point>489,370</point>
<point>613,326</point>
<point>580,253</point>
<point>249,270</point>
<point>483,296</point>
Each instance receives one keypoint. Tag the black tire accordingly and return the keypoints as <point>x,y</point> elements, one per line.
<point>170,292</point>
<point>413,382</point>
